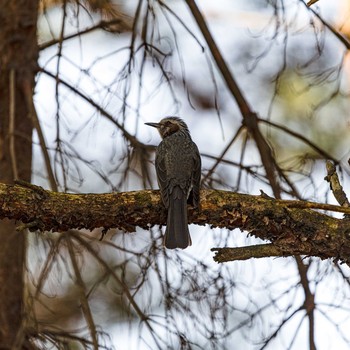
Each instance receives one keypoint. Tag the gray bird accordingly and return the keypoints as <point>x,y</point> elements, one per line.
<point>178,167</point>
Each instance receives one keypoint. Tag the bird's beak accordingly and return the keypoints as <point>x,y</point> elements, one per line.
<point>155,125</point>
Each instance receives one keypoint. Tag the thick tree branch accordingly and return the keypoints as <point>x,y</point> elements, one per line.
<point>292,226</point>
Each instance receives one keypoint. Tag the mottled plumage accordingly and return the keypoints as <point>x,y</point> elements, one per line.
<point>178,167</point>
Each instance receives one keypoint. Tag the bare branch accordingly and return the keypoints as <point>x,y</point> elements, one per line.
<point>335,32</point>
<point>82,295</point>
<point>311,2</point>
<point>245,253</point>
<point>132,139</point>
<point>336,187</point>
<point>309,302</point>
<point>250,119</point>
<point>12,112</point>
<point>290,225</point>
<point>104,25</point>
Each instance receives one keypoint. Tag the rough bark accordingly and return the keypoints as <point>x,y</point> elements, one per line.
<point>292,227</point>
<point>18,66</point>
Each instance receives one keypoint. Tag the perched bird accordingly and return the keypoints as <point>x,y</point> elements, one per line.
<point>178,168</point>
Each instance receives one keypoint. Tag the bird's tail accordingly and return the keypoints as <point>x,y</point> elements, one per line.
<point>177,234</point>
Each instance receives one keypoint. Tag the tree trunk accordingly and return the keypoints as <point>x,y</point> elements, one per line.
<point>18,66</point>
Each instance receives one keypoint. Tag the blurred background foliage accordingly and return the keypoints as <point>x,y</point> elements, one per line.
<point>109,66</point>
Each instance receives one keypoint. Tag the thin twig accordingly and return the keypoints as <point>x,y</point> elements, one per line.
<point>36,123</point>
<point>250,119</point>
<point>84,302</point>
<point>309,302</point>
<point>143,317</point>
<point>101,25</point>
<point>12,116</point>
<point>335,32</point>
<point>132,139</point>
<point>300,137</point>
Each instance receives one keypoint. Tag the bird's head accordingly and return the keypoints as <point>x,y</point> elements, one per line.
<point>169,125</point>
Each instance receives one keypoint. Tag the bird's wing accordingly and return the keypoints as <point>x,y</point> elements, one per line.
<point>196,180</point>
<point>162,177</point>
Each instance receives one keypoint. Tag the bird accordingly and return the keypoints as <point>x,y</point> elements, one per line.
<point>178,169</point>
